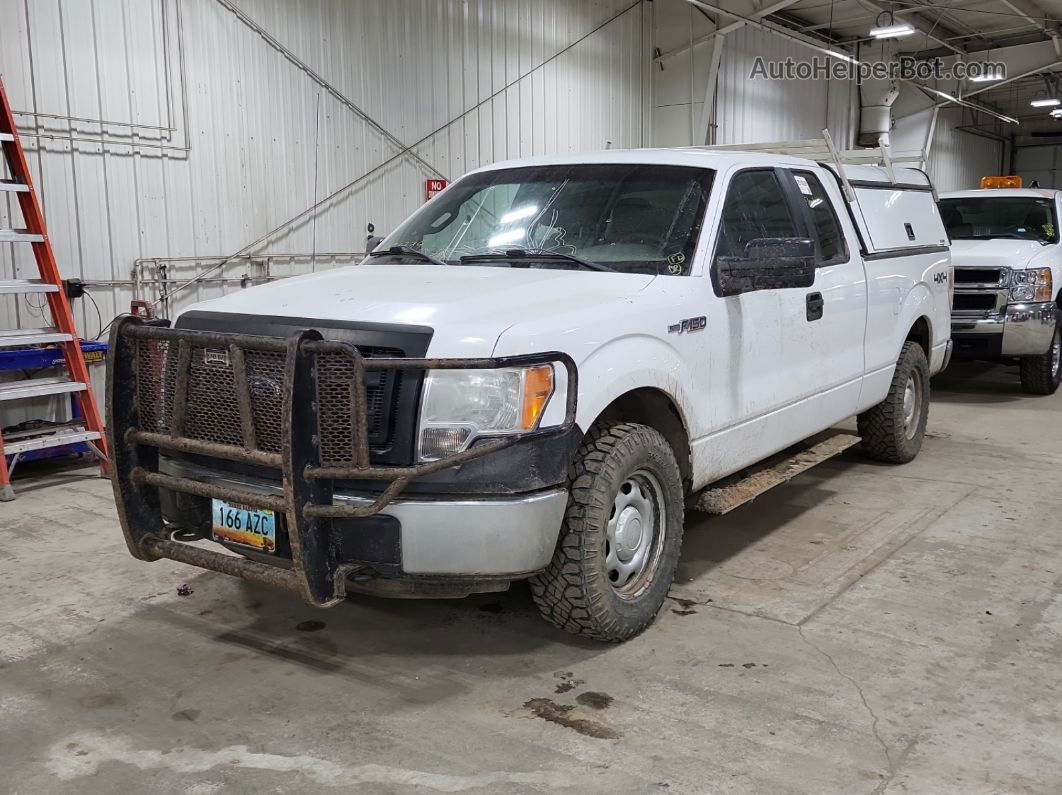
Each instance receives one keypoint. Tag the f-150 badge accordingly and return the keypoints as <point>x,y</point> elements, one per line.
<point>688,325</point>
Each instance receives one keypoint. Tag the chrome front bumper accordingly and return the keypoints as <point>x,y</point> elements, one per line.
<point>467,537</point>
<point>1020,330</point>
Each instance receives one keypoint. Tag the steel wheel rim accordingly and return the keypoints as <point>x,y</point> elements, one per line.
<point>634,536</point>
<point>912,404</point>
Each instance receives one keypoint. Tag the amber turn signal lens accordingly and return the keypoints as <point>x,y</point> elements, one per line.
<point>538,386</point>
<point>1045,289</point>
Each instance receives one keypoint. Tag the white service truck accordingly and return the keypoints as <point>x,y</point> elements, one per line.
<point>533,377</point>
<point>1008,271</point>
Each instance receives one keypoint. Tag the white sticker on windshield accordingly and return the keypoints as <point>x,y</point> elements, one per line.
<point>802,183</point>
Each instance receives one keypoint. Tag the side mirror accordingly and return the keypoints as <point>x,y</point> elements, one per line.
<point>769,263</point>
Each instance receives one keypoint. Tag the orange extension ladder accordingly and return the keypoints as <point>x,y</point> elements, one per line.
<point>88,427</point>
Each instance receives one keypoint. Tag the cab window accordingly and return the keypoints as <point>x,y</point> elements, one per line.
<point>832,247</point>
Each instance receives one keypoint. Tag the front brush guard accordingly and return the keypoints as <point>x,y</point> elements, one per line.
<point>307,502</point>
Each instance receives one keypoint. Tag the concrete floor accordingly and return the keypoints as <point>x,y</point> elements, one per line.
<point>863,629</point>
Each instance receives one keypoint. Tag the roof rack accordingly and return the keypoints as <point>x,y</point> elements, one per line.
<point>824,149</point>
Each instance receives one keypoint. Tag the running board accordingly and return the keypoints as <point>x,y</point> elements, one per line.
<point>735,491</point>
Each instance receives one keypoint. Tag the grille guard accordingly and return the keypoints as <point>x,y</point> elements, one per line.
<point>307,502</point>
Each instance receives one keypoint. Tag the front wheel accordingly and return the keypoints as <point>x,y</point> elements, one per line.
<point>1040,375</point>
<point>893,430</point>
<point>619,545</point>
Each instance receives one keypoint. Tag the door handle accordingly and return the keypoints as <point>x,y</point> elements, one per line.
<point>815,304</point>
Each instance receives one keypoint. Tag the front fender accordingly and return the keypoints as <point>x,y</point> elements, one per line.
<point>634,362</point>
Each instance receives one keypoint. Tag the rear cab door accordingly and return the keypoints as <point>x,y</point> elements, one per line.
<point>840,282</point>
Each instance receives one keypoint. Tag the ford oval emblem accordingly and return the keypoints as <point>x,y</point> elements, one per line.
<point>263,387</point>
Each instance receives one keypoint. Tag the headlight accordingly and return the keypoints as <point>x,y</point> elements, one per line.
<point>461,405</point>
<point>1031,285</point>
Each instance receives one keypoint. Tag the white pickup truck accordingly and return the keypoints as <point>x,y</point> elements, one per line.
<point>1008,271</point>
<point>532,377</point>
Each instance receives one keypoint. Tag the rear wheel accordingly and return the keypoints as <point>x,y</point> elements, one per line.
<point>893,430</point>
<point>1040,375</point>
<point>622,532</point>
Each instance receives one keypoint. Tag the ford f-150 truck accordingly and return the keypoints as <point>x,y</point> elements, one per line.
<point>532,377</point>
<point>1008,270</point>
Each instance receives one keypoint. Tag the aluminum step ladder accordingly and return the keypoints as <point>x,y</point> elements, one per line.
<point>88,427</point>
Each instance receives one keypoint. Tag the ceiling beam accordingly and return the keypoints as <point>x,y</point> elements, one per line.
<point>938,18</point>
<point>766,11</point>
<point>1000,83</point>
<point>948,98</point>
<point>822,46</point>
<point>1051,67</point>
<point>1029,11</point>
<point>703,133</point>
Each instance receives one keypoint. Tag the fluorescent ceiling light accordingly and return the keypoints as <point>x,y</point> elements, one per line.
<point>987,77</point>
<point>1045,103</point>
<point>892,31</point>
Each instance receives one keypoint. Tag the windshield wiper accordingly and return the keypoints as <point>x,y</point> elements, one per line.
<point>409,252</point>
<point>536,255</point>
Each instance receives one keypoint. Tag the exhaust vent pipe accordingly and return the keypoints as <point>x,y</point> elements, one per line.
<point>875,104</point>
<point>875,118</point>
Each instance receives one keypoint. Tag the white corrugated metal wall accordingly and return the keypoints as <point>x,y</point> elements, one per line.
<point>229,119</point>
<point>958,158</point>
<point>1041,163</point>
<point>757,110</point>
<point>746,110</point>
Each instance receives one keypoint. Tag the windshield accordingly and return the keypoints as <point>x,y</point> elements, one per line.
<point>1016,217</point>
<point>621,216</point>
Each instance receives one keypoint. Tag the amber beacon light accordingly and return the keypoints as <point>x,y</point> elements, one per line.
<point>1001,182</point>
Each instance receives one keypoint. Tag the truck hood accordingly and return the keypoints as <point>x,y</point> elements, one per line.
<point>468,306</point>
<point>996,252</point>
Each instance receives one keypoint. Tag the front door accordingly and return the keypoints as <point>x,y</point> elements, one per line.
<point>787,363</point>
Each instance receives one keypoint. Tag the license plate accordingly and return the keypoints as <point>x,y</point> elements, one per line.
<point>241,524</point>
